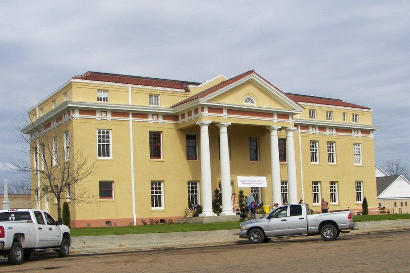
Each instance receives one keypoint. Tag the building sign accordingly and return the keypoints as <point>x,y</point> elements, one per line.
<point>252,181</point>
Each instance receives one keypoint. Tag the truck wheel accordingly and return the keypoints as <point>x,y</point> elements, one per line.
<point>16,254</point>
<point>64,248</point>
<point>328,232</point>
<point>256,236</point>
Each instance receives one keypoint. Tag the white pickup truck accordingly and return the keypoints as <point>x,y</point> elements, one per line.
<point>296,219</point>
<point>25,230</point>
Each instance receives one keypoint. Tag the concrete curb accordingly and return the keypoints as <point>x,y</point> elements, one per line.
<point>89,245</point>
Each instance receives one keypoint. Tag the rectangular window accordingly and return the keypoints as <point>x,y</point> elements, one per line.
<point>312,113</point>
<point>54,104</point>
<point>329,115</point>
<point>191,150</point>
<point>104,142</point>
<point>357,153</point>
<point>359,191</point>
<point>316,192</point>
<point>282,149</point>
<point>157,194</point>
<point>106,190</point>
<point>256,192</point>
<point>331,152</point>
<point>66,145</point>
<point>153,100</point>
<point>334,198</point>
<point>344,117</point>
<point>284,192</point>
<point>102,95</point>
<point>253,149</point>
<point>314,151</point>
<point>193,194</point>
<point>54,148</point>
<point>155,149</point>
<point>65,96</point>
<point>355,118</point>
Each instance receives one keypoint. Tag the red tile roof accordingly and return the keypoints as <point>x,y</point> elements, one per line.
<point>214,88</point>
<point>321,100</point>
<point>135,80</point>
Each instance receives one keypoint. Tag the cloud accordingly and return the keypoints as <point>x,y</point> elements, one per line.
<point>356,51</point>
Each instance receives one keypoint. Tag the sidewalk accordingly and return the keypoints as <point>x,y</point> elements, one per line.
<point>156,241</point>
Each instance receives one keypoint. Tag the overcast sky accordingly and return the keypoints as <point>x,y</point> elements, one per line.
<point>358,51</point>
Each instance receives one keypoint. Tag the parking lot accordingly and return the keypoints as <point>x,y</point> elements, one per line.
<point>373,252</point>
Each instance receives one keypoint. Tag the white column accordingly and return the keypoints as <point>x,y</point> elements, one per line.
<point>290,157</point>
<point>225,170</point>
<point>275,164</point>
<point>206,186</point>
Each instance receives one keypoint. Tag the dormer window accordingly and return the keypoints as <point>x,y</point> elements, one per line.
<point>249,100</point>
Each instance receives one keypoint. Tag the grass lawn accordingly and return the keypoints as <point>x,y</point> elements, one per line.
<point>160,228</point>
<point>164,228</point>
<point>380,217</point>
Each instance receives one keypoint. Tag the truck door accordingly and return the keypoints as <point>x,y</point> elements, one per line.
<point>296,220</point>
<point>277,222</point>
<point>41,230</point>
<point>54,232</point>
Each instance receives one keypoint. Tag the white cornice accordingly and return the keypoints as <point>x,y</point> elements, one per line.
<point>132,85</point>
<point>249,108</point>
<point>335,124</point>
<point>335,106</point>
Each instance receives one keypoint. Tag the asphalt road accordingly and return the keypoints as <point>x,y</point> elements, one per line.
<point>374,252</point>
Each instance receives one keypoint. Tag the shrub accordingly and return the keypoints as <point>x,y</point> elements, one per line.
<point>198,211</point>
<point>66,214</point>
<point>217,202</point>
<point>365,207</point>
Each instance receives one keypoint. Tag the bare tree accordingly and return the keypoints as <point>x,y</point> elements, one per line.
<point>59,167</point>
<point>395,167</point>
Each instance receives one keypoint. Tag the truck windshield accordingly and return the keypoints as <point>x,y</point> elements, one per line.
<point>15,216</point>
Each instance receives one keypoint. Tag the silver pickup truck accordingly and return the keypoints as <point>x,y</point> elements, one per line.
<point>295,219</point>
<point>25,230</point>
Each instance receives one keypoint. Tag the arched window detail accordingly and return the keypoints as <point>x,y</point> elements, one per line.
<point>249,100</point>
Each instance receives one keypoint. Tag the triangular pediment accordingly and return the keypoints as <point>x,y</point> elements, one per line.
<point>252,91</point>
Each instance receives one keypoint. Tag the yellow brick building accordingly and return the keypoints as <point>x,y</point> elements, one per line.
<point>160,145</point>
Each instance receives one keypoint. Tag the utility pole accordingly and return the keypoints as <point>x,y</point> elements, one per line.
<point>6,202</point>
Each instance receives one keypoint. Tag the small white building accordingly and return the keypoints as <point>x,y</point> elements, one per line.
<point>393,193</point>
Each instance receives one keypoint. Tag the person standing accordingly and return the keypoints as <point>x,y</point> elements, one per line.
<point>324,206</point>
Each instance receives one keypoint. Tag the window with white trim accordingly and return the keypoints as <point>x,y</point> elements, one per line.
<point>65,96</point>
<point>359,191</point>
<point>155,145</point>
<point>329,115</point>
<point>102,95</point>
<point>344,117</point>
<point>193,193</point>
<point>316,192</point>
<point>334,196</point>
<point>54,104</point>
<point>331,152</point>
<point>356,132</point>
<point>282,149</point>
<point>284,192</point>
<point>104,143</point>
<point>257,194</point>
<point>357,153</point>
<point>153,100</point>
<point>355,118</point>
<point>191,147</point>
<point>314,151</point>
<point>312,113</point>
<point>249,100</point>
<point>66,145</point>
<point>42,156</point>
<point>157,194</point>
<point>54,150</point>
